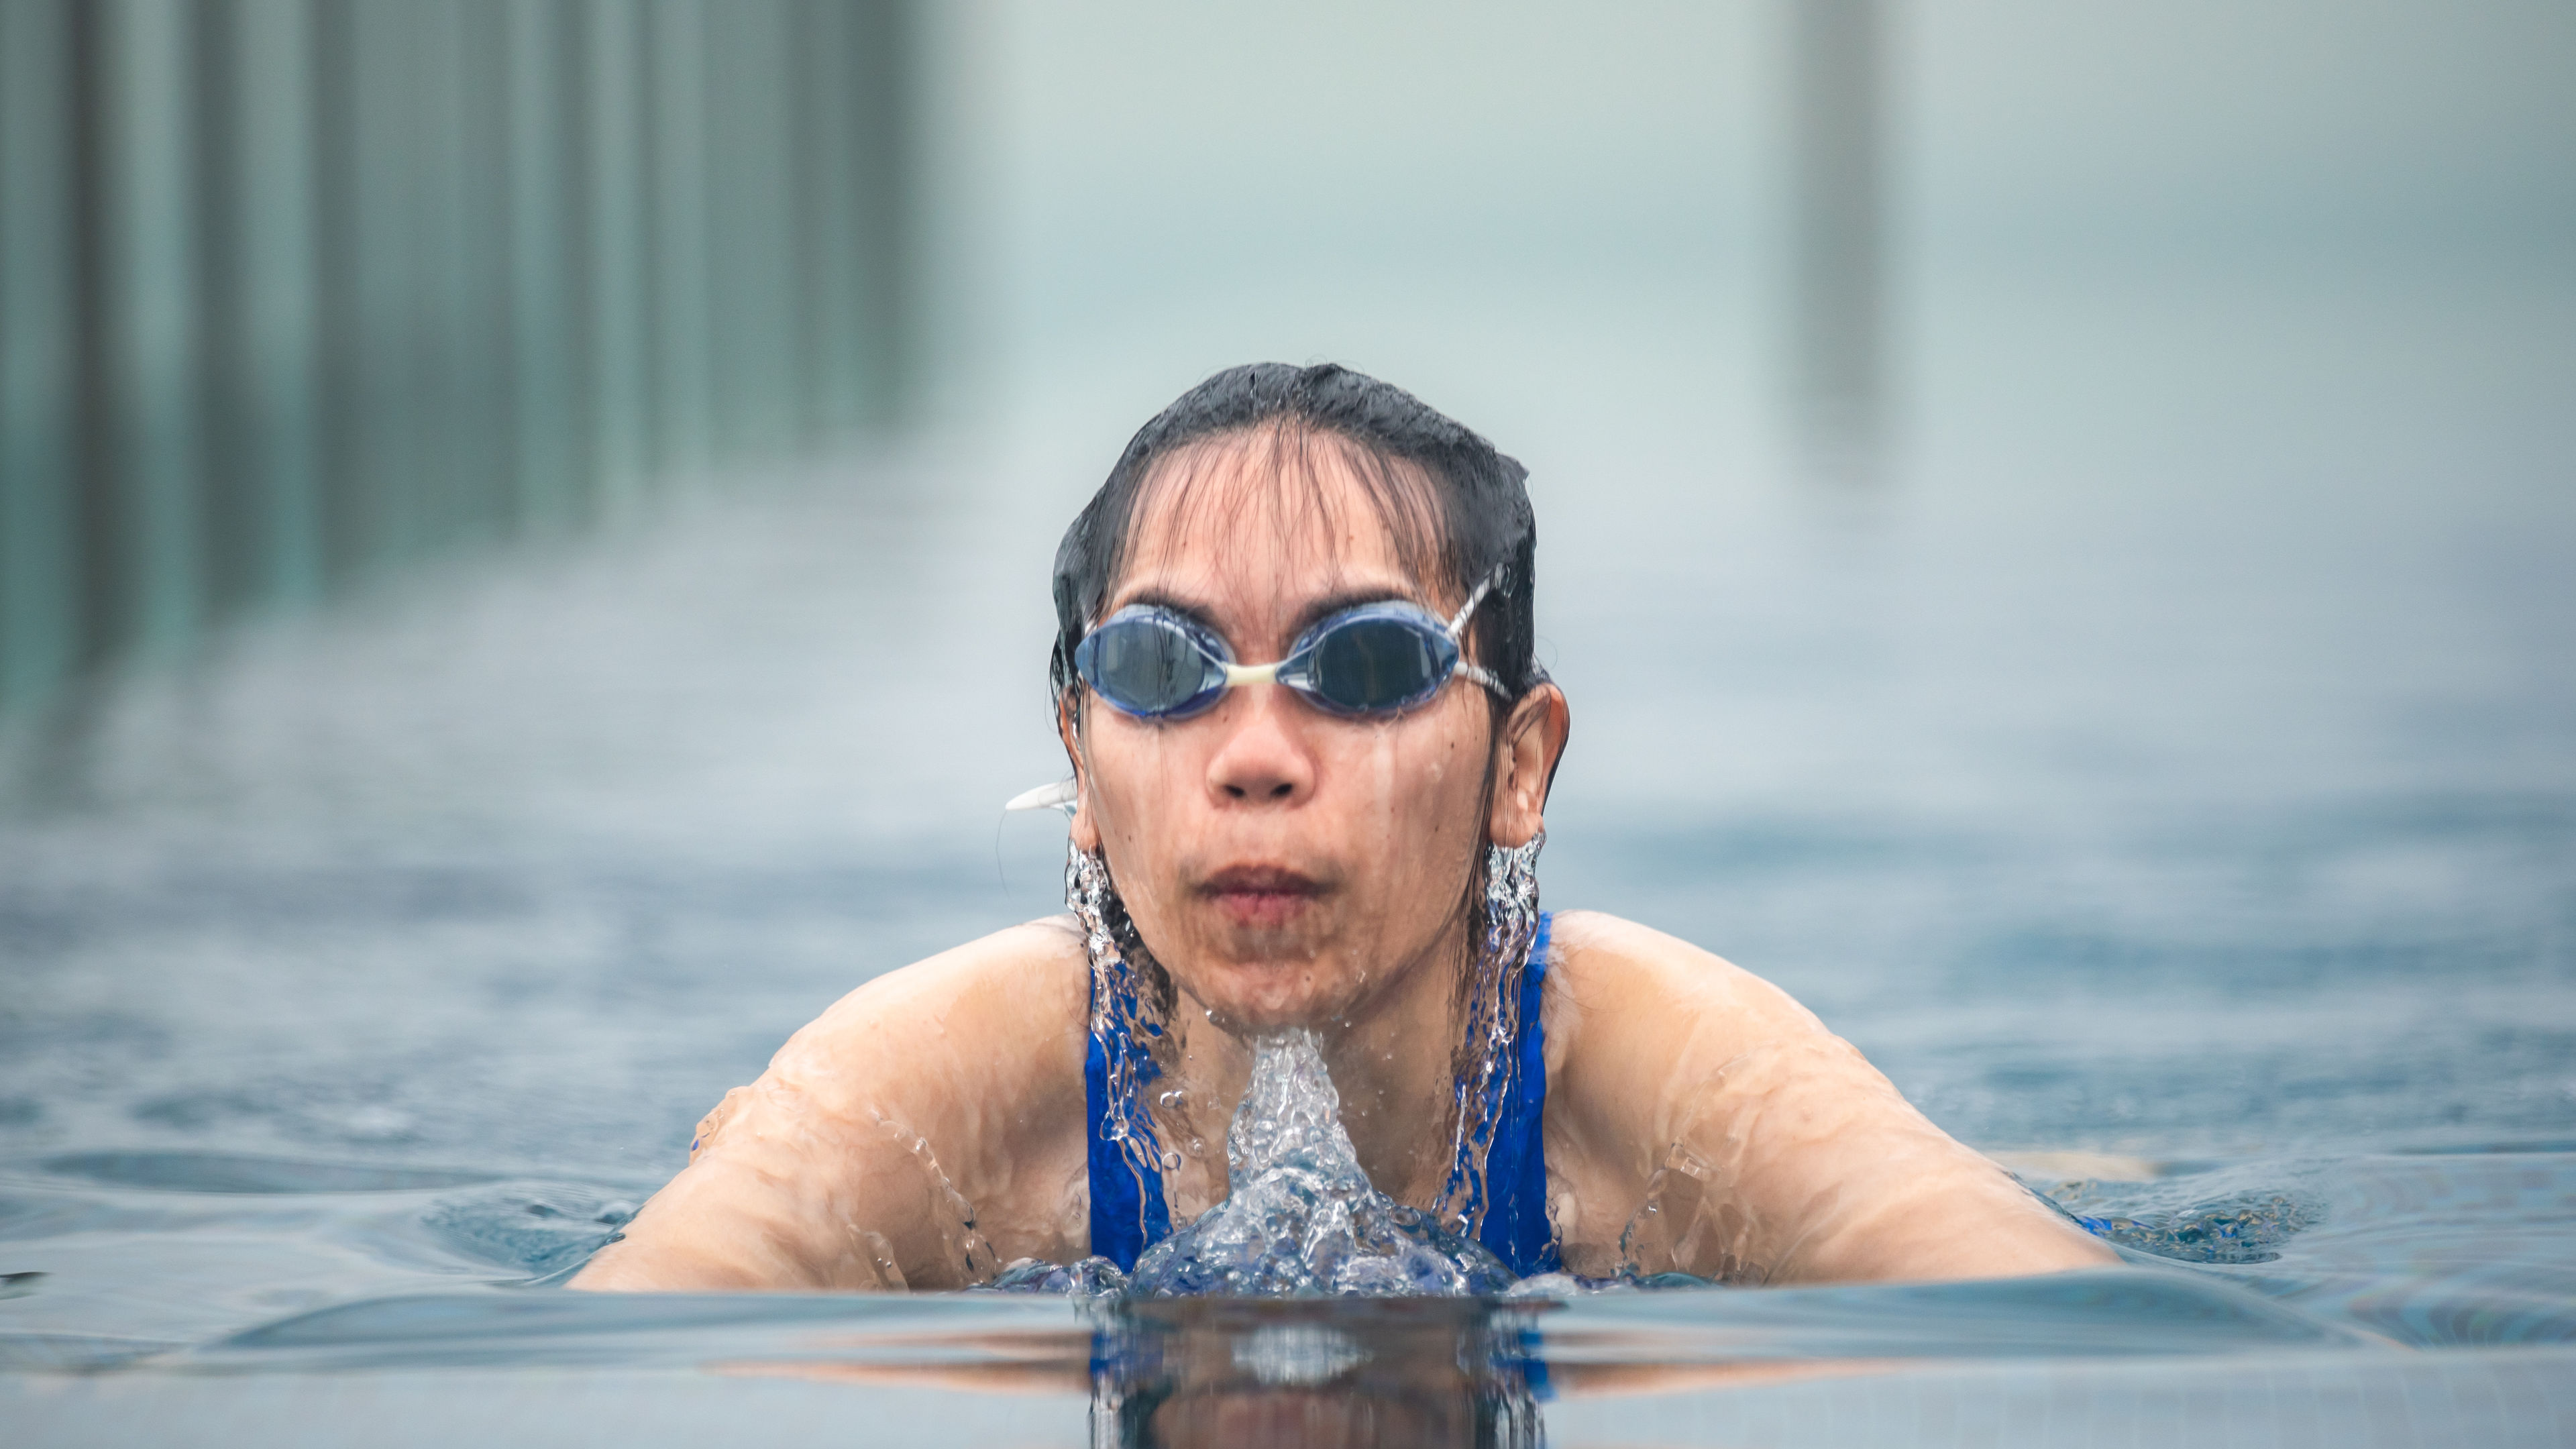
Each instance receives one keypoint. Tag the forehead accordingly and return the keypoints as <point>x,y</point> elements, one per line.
<point>1279,511</point>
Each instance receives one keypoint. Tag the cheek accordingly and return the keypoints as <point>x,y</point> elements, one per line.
<point>1144,779</point>
<point>1383,771</point>
<point>1420,790</point>
<point>1132,772</point>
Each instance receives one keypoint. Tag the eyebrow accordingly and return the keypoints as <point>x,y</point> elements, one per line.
<point>1322,608</point>
<point>1196,613</point>
<point>1334,603</point>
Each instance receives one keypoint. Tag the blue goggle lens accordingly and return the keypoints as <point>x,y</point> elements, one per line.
<point>1148,662</point>
<point>1371,664</point>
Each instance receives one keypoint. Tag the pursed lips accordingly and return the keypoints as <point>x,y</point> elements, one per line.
<point>1260,897</point>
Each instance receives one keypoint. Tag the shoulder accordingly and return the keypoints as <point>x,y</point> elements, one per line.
<point>1632,1014</point>
<point>1026,973</point>
<point>991,998</point>
<point>1005,1013</point>
<point>1604,970</point>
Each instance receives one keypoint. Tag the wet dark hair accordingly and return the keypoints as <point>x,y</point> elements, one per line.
<point>1474,521</point>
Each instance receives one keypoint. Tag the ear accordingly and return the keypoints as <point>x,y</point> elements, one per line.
<point>1526,750</point>
<point>1068,727</point>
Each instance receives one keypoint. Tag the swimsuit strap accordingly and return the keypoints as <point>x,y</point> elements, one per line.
<point>1128,1210</point>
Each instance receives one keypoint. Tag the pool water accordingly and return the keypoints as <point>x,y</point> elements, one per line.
<point>2195,834</point>
<point>2430,1299</point>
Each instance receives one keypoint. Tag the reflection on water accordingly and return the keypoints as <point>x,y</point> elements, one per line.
<point>1434,1372</point>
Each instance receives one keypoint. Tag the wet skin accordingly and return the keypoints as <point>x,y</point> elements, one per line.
<point>1292,867</point>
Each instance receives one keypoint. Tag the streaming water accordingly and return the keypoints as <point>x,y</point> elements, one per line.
<point>1302,1218</point>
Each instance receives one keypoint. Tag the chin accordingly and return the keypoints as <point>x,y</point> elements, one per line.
<point>1245,1004</point>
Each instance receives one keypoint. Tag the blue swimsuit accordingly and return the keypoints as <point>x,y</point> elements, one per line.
<point>1129,1215</point>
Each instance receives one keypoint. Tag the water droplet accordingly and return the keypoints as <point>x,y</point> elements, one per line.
<point>1171,1160</point>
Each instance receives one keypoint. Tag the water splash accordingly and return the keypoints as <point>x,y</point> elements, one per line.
<point>1091,1280</point>
<point>1303,1219</point>
<point>1684,1227</point>
<point>943,1205</point>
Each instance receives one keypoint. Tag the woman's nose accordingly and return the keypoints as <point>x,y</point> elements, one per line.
<point>1262,760</point>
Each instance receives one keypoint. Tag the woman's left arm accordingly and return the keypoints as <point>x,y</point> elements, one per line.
<point>1783,1155</point>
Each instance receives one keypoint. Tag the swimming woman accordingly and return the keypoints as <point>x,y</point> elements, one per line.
<point>1311,751</point>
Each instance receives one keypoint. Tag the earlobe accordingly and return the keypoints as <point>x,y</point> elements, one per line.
<point>1084,827</point>
<point>1533,739</point>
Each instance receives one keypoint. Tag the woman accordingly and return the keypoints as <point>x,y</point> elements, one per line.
<point>1341,841</point>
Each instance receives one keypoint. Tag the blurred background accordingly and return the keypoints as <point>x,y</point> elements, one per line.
<point>524,524</point>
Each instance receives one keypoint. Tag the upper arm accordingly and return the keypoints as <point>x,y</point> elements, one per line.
<point>856,1159</point>
<point>1783,1154</point>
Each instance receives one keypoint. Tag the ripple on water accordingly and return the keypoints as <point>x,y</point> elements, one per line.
<point>2191,1221</point>
<point>240,1173</point>
<point>538,1230</point>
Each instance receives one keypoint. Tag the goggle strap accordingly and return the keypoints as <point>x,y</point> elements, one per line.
<point>1458,624</point>
<point>1458,620</point>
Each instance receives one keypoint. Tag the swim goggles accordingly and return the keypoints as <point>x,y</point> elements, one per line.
<point>1372,659</point>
